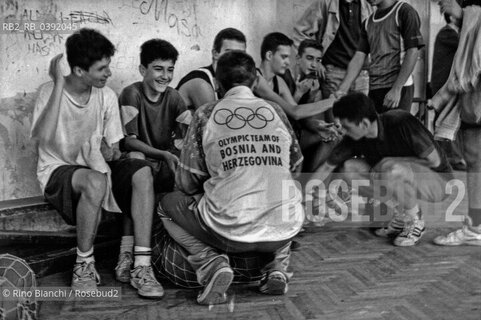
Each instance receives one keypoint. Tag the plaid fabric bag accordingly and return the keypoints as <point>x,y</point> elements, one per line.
<point>170,261</point>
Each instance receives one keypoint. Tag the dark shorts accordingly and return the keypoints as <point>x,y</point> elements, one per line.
<point>164,178</point>
<point>59,191</point>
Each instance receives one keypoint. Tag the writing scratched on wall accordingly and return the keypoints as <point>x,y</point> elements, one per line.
<point>43,43</point>
<point>183,20</point>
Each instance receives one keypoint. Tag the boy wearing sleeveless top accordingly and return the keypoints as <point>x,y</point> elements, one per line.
<point>392,37</point>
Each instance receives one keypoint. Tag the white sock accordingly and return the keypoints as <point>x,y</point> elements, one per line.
<point>85,256</point>
<point>127,244</point>
<point>414,213</point>
<point>142,256</point>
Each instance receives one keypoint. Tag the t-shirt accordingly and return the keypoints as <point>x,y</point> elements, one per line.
<point>239,152</point>
<point>77,124</point>
<point>343,47</point>
<point>153,123</point>
<point>400,134</point>
<point>386,35</point>
<point>205,73</point>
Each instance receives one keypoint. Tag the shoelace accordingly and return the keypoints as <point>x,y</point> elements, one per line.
<point>409,230</point>
<point>125,261</point>
<point>455,235</point>
<point>87,270</point>
<point>147,275</point>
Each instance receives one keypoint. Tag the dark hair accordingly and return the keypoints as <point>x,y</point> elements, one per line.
<point>354,107</point>
<point>308,43</point>
<point>466,3</point>
<point>86,46</point>
<point>228,34</point>
<point>447,18</point>
<point>235,68</point>
<point>154,49</point>
<point>272,41</point>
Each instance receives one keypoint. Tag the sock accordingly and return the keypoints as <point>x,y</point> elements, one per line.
<point>475,215</point>
<point>85,256</point>
<point>142,256</point>
<point>391,203</point>
<point>414,213</point>
<point>127,244</point>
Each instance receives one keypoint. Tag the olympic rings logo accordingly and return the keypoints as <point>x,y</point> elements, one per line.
<point>241,116</point>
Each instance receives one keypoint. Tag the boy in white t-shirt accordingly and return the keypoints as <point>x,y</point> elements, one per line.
<point>77,125</point>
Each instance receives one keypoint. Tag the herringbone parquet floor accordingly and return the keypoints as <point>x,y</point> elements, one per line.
<point>340,273</point>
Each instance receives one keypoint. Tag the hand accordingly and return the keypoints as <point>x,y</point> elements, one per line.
<point>109,153</point>
<point>303,86</point>
<point>55,70</point>
<point>392,98</point>
<point>452,8</point>
<point>321,71</point>
<point>172,161</point>
<point>91,152</point>
<point>327,131</point>
<point>337,95</point>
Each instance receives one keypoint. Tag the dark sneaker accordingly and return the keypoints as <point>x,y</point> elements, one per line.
<point>85,277</point>
<point>215,290</point>
<point>143,279</point>
<point>411,234</point>
<point>394,227</point>
<point>274,284</point>
<point>122,270</point>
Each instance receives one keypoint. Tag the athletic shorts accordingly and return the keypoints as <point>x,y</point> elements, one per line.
<point>59,191</point>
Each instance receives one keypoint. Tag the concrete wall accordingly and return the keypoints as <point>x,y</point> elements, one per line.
<point>189,24</point>
<point>24,56</point>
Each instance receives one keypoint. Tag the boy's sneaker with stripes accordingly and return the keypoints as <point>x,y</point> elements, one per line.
<point>411,234</point>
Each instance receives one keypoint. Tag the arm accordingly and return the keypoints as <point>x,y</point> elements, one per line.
<point>452,8</point>
<point>392,98</point>
<point>134,144</point>
<point>353,70</point>
<point>197,92</point>
<point>323,172</point>
<point>45,125</point>
<point>192,171</point>
<point>296,112</point>
<point>307,27</point>
<point>431,160</point>
<point>304,86</point>
<point>409,26</point>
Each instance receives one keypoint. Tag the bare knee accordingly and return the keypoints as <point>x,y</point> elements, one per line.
<point>136,155</point>
<point>94,186</point>
<point>396,172</point>
<point>143,178</point>
<point>355,165</point>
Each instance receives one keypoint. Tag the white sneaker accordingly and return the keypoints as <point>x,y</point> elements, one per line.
<point>461,236</point>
